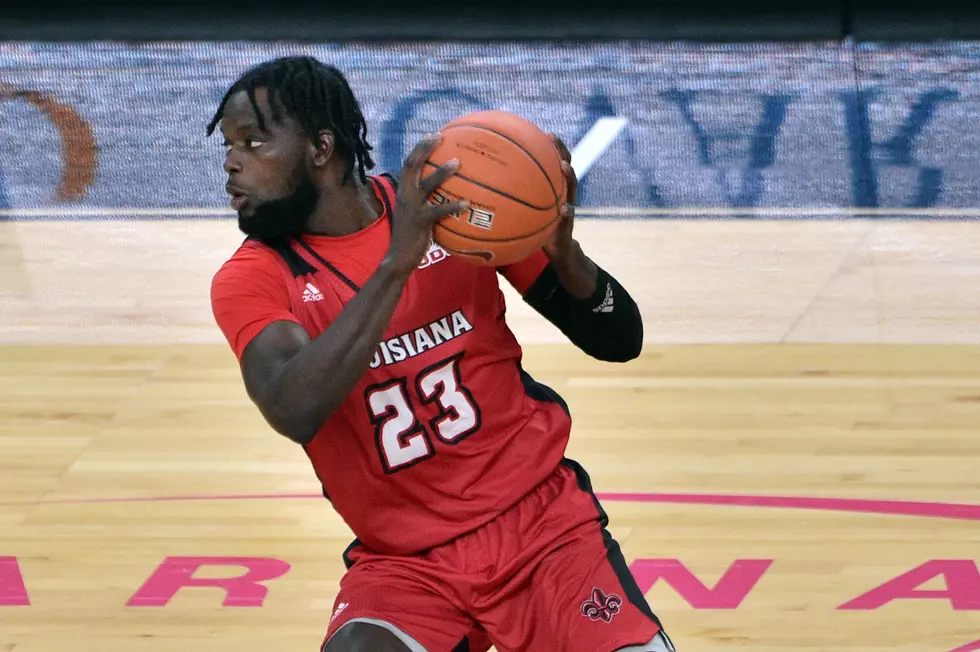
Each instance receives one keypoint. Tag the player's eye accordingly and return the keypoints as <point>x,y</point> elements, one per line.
<point>252,143</point>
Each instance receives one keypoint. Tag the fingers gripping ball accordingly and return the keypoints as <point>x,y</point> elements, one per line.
<point>510,171</point>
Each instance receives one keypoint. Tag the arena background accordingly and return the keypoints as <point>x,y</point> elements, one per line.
<point>788,189</point>
<point>113,131</point>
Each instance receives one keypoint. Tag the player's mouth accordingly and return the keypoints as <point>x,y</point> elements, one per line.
<point>238,196</point>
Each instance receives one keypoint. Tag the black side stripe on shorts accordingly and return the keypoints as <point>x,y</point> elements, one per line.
<point>613,552</point>
<point>346,554</point>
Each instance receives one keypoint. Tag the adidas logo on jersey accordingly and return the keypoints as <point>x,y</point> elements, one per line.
<point>607,302</point>
<point>311,293</point>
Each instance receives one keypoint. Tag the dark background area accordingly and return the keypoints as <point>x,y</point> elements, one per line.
<point>380,20</point>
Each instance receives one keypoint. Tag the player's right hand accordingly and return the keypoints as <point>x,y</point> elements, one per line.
<point>414,216</point>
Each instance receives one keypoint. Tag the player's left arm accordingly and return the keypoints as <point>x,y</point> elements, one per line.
<point>584,301</point>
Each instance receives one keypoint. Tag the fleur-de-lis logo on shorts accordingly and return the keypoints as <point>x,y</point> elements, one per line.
<point>600,606</point>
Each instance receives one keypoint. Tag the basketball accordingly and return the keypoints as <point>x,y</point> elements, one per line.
<point>510,171</point>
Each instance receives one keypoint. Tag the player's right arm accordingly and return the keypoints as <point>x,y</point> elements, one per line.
<point>297,382</point>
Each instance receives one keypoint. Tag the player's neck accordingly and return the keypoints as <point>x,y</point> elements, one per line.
<point>348,209</point>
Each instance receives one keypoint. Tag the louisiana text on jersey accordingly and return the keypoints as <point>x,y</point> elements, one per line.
<point>417,341</point>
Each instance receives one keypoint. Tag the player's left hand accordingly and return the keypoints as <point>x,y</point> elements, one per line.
<point>561,242</point>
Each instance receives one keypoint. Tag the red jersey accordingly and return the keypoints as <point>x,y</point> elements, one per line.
<point>445,430</point>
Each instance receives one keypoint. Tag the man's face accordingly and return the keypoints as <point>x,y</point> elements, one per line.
<point>271,186</point>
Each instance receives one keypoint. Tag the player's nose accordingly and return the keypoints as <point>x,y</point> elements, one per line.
<point>233,163</point>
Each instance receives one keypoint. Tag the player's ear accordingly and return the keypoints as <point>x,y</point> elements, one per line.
<point>325,142</point>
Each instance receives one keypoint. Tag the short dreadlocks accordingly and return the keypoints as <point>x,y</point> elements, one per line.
<point>318,97</point>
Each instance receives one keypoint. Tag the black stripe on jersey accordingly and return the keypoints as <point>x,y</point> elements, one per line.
<point>385,199</point>
<point>298,265</point>
<point>327,265</point>
<point>383,192</point>
<point>613,552</point>
<point>540,391</point>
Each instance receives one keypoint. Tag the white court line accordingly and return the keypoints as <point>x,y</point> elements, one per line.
<point>89,211</point>
<point>742,382</point>
<point>608,211</point>
<point>725,211</point>
<point>598,139</point>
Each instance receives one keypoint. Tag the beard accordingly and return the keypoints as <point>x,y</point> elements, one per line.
<point>282,218</point>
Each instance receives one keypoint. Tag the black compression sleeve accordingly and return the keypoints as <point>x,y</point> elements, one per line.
<point>606,326</point>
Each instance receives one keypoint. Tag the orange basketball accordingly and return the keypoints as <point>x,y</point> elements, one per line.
<point>510,171</point>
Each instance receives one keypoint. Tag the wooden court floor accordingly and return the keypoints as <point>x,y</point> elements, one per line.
<point>792,465</point>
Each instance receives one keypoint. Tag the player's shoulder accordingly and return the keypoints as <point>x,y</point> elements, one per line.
<point>253,261</point>
<point>250,253</point>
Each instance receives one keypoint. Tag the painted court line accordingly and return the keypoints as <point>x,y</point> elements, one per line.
<point>774,381</point>
<point>953,511</point>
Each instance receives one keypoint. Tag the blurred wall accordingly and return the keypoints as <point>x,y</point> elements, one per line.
<point>790,127</point>
<point>789,106</point>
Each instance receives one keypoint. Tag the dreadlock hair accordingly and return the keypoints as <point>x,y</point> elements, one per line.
<point>318,97</point>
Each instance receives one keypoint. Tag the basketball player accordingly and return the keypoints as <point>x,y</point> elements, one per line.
<point>392,365</point>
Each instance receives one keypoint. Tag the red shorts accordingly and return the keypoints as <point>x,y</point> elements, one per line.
<point>542,576</point>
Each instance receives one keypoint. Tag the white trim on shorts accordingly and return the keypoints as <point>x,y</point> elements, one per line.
<point>410,643</point>
<point>659,643</point>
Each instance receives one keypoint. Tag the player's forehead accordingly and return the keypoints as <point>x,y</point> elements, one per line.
<point>239,114</point>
